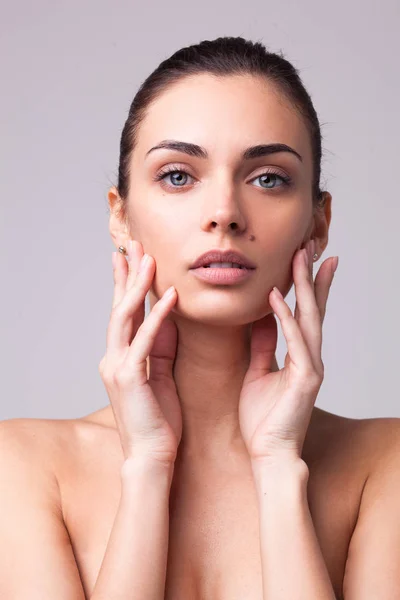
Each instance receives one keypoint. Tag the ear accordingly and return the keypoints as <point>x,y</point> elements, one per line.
<point>118,224</point>
<point>322,220</point>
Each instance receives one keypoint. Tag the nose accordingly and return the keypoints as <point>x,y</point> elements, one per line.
<point>225,216</point>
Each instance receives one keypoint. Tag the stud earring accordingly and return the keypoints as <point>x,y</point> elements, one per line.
<point>122,249</point>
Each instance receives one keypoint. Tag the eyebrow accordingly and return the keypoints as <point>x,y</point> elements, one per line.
<point>200,152</point>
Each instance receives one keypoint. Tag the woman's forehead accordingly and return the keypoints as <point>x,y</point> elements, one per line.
<point>216,113</point>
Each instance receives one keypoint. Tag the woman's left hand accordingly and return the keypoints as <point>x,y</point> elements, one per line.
<point>275,407</point>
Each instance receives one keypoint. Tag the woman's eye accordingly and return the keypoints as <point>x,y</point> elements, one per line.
<point>270,178</point>
<point>175,176</point>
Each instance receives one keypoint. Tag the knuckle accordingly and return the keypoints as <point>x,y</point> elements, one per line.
<point>107,370</point>
<point>102,364</point>
<point>322,369</point>
<point>145,328</point>
<point>116,312</point>
<point>120,377</point>
<point>310,379</point>
<point>315,380</point>
<point>123,376</point>
<point>106,376</point>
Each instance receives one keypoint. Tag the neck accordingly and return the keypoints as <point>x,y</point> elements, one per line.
<point>210,365</point>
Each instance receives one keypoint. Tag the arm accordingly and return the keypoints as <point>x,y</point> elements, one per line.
<point>373,560</point>
<point>292,562</point>
<point>36,557</point>
<point>135,562</point>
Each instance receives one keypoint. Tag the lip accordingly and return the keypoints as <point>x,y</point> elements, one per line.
<point>217,255</point>
<point>222,275</point>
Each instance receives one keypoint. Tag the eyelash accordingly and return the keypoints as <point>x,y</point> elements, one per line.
<point>168,170</point>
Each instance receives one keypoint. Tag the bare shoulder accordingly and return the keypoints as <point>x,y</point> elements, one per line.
<point>28,458</point>
<point>365,442</point>
<point>38,438</point>
<point>375,436</point>
<point>53,443</point>
<point>373,554</point>
<point>381,438</point>
<point>25,437</point>
<point>37,556</point>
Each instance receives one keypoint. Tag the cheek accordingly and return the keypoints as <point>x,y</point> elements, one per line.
<point>285,231</point>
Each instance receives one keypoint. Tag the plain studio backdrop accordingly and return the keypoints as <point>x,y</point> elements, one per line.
<point>69,71</point>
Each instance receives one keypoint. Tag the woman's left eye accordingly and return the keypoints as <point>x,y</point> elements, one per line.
<point>269,175</point>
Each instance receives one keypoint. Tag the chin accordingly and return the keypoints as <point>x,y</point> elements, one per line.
<point>222,312</point>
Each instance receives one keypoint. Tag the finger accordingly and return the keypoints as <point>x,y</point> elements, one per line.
<point>128,314</point>
<point>135,255</point>
<point>145,337</point>
<point>323,282</point>
<point>307,314</point>
<point>125,270</point>
<point>120,271</point>
<point>297,347</point>
<point>308,249</point>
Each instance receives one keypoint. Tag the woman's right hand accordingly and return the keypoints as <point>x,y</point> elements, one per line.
<point>146,410</point>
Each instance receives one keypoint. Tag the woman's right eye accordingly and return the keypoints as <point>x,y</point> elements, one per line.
<point>162,175</point>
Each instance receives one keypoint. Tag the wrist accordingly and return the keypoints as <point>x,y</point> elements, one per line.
<point>135,466</point>
<point>280,470</point>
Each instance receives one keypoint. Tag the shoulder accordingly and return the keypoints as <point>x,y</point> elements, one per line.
<point>34,538</point>
<point>27,461</point>
<point>53,435</point>
<point>373,553</point>
<point>362,444</point>
<point>35,437</point>
<point>25,437</point>
<point>378,438</point>
<point>49,454</point>
<point>51,444</point>
<point>381,438</point>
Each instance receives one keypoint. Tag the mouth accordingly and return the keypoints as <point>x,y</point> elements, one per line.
<point>224,266</point>
<point>223,259</point>
<point>223,273</point>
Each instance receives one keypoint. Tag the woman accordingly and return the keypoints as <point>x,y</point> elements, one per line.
<point>211,474</point>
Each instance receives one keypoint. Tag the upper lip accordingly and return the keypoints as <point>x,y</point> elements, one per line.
<point>216,255</point>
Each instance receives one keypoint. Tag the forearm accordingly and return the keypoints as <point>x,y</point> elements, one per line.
<point>292,561</point>
<point>135,561</point>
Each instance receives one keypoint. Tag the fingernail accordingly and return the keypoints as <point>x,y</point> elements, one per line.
<point>277,292</point>
<point>170,291</point>
<point>335,263</point>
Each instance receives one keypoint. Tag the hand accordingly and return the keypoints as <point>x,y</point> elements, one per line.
<point>147,411</point>
<point>275,408</point>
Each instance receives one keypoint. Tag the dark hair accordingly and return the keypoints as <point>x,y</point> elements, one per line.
<point>223,56</point>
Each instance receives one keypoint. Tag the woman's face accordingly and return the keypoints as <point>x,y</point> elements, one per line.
<point>185,214</point>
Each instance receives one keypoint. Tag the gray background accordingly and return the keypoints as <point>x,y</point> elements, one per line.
<point>69,72</point>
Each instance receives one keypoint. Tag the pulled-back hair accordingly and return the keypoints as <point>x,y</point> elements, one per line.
<point>224,56</point>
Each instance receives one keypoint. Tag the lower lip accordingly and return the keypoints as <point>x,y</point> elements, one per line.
<point>221,275</point>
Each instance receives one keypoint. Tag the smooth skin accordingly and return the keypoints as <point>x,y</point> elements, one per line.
<point>47,534</point>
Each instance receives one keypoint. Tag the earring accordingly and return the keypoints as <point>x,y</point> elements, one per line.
<point>122,249</point>
<point>315,256</point>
